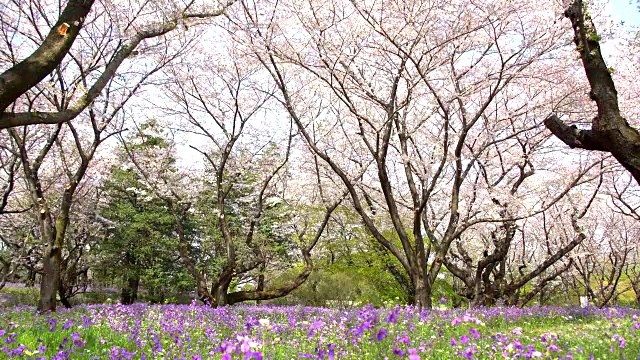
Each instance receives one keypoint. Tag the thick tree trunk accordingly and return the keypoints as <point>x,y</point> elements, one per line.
<point>62,292</point>
<point>609,132</point>
<point>129,293</point>
<point>421,285</point>
<point>409,290</point>
<point>488,297</point>
<point>126,297</point>
<point>422,296</point>
<point>260,286</point>
<point>220,289</point>
<point>52,259</point>
<point>50,279</point>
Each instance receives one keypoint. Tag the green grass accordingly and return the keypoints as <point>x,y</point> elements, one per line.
<point>175,331</point>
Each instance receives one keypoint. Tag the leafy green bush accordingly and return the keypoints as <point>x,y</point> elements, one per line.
<point>14,296</point>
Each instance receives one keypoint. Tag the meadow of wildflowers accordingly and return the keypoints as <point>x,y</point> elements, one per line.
<point>250,332</point>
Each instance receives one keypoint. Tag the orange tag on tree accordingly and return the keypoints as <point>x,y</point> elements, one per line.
<point>63,29</point>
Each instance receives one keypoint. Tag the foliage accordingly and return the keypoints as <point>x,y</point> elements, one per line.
<point>15,296</point>
<point>141,245</point>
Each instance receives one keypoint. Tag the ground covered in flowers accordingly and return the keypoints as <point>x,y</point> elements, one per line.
<point>245,332</point>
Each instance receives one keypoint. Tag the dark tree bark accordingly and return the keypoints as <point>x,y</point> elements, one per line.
<point>54,237</point>
<point>64,299</point>
<point>26,74</point>
<point>609,132</point>
<point>130,291</point>
<point>635,285</point>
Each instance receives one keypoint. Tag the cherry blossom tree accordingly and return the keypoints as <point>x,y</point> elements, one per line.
<point>434,104</point>
<point>513,253</point>
<point>55,160</point>
<point>245,189</point>
<point>119,31</point>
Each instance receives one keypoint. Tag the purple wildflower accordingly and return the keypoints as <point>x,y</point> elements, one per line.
<point>464,339</point>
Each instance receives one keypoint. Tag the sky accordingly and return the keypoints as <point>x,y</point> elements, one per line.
<point>625,10</point>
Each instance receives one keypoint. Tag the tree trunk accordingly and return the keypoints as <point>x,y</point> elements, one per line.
<point>220,290</point>
<point>31,278</point>
<point>62,292</point>
<point>260,286</point>
<point>635,285</point>
<point>486,298</point>
<point>422,298</point>
<point>609,132</point>
<point>422,292</point>
<point>52,258</point>
<point>50,278</point>
<point>220,295</point>
<point>130,291</point>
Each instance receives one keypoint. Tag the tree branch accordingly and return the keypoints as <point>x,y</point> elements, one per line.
<point>572,136</point>
<point>26,74</point>
<point>609,130</point>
